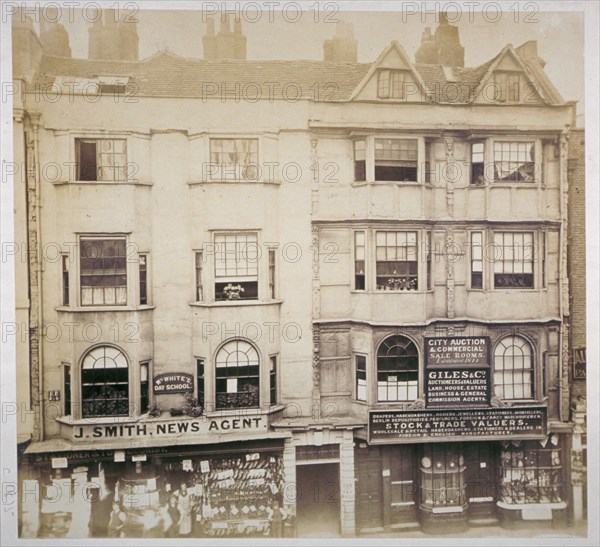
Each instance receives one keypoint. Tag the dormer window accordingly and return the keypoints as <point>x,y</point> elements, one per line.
<point>391,84</point>
<point>113,85</point>
<point>507,88</point>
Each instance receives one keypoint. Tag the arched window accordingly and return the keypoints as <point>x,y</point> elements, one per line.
<point>513,369</point>
<point>105,383</point>
<point>237,375</point>
<point>397,370</point>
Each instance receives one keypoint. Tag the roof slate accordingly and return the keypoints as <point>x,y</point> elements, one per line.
<point>168,75</point>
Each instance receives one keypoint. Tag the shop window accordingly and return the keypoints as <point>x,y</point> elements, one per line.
<point>200,381</point>
<point>360,363</point>
<point>65,279</point>
<point>442,476</point>
<point>101,159</point>
<point>103,272</point>
<point>105,383</point>
<point>236,266</point>
<point>360,161</point>
<point>273,379</point>
<point>359,261</point>
<point>514,161</point>
<point>397,370</point>
<point>144,387</point>
<point>477,260</point>
<point>234,159</point>
<point>237,375</point>
<point>143,278</point>
<point>513,369</point>
<point>532,472</point>
<point>396,159</point>
<point>396,256</point>
<point>477,163</point>
<point>513,260</point>
<point>67,388</point>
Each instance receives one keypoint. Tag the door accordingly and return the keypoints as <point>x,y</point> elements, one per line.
<point>369,489</point>
<point>318,500</point>
<point>481,460</point>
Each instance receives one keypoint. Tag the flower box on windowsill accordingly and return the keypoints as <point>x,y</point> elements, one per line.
<point>176,411</point>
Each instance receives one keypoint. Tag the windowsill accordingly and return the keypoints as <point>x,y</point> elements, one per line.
<point>392,183</point>
<point>520,289</point>
<point>84,309</point>
<point>235,303</point>
<point>370,292</point>
<point>104,182</point>
<point>236,182</point>
<point>518,506</point>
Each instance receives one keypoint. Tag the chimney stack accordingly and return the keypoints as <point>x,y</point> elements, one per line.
<point>227,44</point>
<point>54,36</point>
<point>343,47</point>
<point>529,52</point>
<point>443,47</point>
<point>26,46</point>
<point>112,39</point>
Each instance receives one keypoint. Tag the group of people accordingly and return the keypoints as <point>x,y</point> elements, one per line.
<point>171,519</point>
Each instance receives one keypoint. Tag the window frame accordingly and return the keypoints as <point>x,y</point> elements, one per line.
<point>516,140</point>
<point>143,295</point>
<point>235,280</point>
<point>65,279</point>
<point>356,357</point>
<point>416,276</point>
<point>274,392</point>
<point>483,286</point>
<point>535,285</point>
<point>145,384</point>
<point>255,397</point>
<point>391,91</point>
<point>128,273</point>
<point>532,370</point>
<point>369,139</point>
<point>67,377</point>
<point>417,388</point>
<point>201,381</point>
<point>128,367</point>
<point>355,260</point>
<point>88,139</point>
<point>239,172</point>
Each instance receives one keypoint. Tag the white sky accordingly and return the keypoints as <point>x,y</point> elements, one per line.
<point>560,35</point>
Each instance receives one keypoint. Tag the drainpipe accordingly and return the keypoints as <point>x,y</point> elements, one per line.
<point>34,117</point>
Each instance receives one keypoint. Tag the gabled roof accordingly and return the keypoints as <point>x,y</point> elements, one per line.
<point>531,69</point>
<point>168,75</point>
<point>394,46</point>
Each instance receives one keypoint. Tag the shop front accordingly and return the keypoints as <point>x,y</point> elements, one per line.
<point>444,471</point>
<point>140,485</point>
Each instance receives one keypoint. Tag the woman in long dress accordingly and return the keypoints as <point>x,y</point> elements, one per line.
<point>184,504</point>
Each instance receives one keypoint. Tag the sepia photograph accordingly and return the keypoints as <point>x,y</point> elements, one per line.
<point>299,273</point>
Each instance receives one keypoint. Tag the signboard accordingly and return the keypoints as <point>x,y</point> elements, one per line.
<point>579,360</point>
<point>453,351</point>
<point>160,429</point>
<point>457,387</point>
<point>173,383</point>
<point>405,426</point>
<point>457,371</point>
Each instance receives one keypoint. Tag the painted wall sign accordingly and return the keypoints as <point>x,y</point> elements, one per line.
<point>456,386</point>
<point>469,350</point>
<point>398,426</point>
<point>173,383</point>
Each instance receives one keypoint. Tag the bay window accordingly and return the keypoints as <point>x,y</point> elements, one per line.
<point>390,159</point>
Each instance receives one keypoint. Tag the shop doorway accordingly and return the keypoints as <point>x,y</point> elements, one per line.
<point>318,500</point>
<point>481,462</point>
